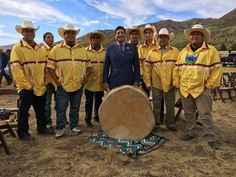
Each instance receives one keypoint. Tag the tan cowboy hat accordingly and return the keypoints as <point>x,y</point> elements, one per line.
<point>164,31</point>
<point>197,27</point>
<point>148,26</point>
<point>133,28</point>
<point>68,27</point>
<point>26,24</point>
<point>89,35</point>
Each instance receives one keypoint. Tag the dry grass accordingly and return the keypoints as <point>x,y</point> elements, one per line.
<point>73,155</point>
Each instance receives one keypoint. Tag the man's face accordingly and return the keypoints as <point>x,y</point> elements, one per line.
<point>69,36</point>
<point>120,35</point>
<point>1,51</point>
<point>134,36</point>
<point>148,33</point>
<point>196,38</point>
<point>163,40</point>
<point>49,39</point>
<point>29,34</point>
<point>95,39</point>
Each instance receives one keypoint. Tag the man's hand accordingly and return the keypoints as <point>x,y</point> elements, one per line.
<point>106,87</point>
<point>136,84</point>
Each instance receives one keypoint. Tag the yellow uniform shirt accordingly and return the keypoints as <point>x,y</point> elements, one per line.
<point>70,64</point>
<point>206,72</point>
<point>142,53</point>
<point>158,68</point>
<point>48,78</point>
<point>96,58</point>
<point>28,67</point>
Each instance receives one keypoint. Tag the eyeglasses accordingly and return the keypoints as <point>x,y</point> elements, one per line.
<point>95,37</point>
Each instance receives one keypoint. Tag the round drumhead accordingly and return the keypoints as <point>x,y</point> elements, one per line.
<point>126,113</point>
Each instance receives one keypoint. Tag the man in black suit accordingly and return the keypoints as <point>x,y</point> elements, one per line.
<point>121,65</point>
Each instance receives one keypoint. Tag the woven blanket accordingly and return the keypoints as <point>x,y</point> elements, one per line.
<point>131,148</point>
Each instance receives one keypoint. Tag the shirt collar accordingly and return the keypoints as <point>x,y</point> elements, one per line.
<point>25,44</point>
<point>91,49</point>
<point>63,44</point>
<point>118,43</point>
<point>204,46</point>
<point>46,46</point>
<point>153,43</point>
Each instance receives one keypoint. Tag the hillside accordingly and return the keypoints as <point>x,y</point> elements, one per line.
<point>223,31</point>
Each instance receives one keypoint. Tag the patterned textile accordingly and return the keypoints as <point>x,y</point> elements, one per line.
<point>131,148</point>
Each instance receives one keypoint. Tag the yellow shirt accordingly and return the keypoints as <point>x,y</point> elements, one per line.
<point>96,58</point>
<point>70,64</point>
<point>48,78</point>
<point>158,68</point>
<point>28,67</point>
<point>206,72</point>
<point>142,53</point>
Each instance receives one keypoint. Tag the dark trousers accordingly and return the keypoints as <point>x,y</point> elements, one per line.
<point>49,92</point>
<point>7,77</point>
<point>97,96</point>
<point>28,98</point>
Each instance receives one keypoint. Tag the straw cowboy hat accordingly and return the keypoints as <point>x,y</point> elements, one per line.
<point>89,35</point>
<point>133,28</point>
<point>197,27</point>
<point>26,24</point>
<point>68,27</point>
<point>148,26</point>
<point>164,31</point>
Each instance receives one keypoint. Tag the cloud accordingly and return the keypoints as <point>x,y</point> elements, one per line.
<point>138,11</point>
<point>33,10</point>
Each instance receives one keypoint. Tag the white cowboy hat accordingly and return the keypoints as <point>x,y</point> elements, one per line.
<point>148,26</point>
<point>197,27</point>
<point>133,28</point>
<point>26,24</point>
<point>89,35</point>
<point>68,27</point>
<point>164,31</point>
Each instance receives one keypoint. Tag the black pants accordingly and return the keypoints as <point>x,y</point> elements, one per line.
<point>89,104</point>
<point>28,98</point>
<point>7,77</point>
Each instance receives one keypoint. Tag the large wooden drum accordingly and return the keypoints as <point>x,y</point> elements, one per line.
<point>126,113</point>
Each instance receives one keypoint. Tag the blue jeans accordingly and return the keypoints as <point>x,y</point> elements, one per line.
<point>49,92</point>
<point>62,100</point>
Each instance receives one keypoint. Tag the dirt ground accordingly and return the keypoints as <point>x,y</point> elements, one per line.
<point>74,155</point>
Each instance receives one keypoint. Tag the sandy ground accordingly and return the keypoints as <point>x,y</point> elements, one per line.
<point>74,155</point>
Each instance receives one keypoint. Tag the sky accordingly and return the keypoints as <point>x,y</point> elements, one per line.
<point>90,15</point>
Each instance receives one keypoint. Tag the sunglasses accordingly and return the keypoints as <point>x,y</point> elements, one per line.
<point>95,37</point>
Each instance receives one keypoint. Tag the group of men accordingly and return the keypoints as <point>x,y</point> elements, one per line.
<point>68,69</point>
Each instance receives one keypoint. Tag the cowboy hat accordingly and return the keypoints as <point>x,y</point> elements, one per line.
<point>26,24</point>
<point>89,35</point>
<point>164,31</point>
<point>68,27</point>
<point>133,28</point>
<point>197,27</point>
<point>148,26</point>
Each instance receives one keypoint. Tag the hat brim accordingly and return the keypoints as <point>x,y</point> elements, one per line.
<point>61,31</point>
<point>142,30</point>
<point>171,36</point>
<point>206,33</point>
<point>19,28</point>
<point>89,35</point>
